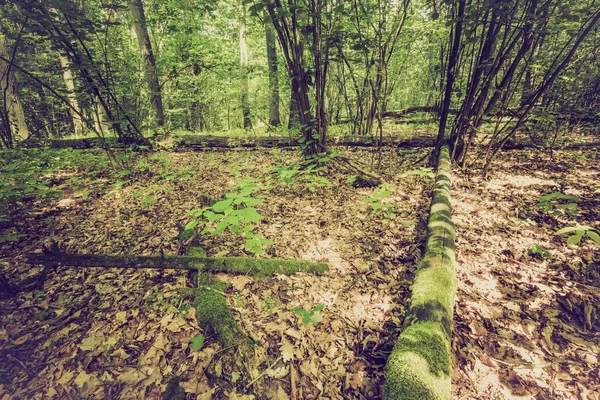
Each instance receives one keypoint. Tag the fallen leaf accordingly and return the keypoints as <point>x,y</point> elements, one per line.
<point>287,351</point>
<point>281,394</point>
<point>21,340</point>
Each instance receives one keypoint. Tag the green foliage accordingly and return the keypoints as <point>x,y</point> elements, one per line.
<point>197,342</point>
<point>559,204</point>
<point>309,175</point>
<point>539,251</point>
<point>422,172</point>
<point>313,316</point>
<point>237,213</point>
<point>31,174</point>
<point>34,296</point>
<point>377,205</point>
<point>10,237</point>
<point>268,304</point>
<point>578,232</point>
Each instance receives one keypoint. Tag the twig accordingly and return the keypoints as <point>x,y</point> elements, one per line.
<point>293,383</point>
<point>262,373</point>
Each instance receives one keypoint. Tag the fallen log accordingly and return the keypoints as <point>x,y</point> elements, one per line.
<point>209,142</point>
<point>419,365</point>
<point>201,142</point>
<point>236,265</point>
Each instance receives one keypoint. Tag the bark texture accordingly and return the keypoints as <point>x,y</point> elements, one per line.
<point>10,95</point>
<point>419,366</point>
<point>78,125</point>
<point>140,31</point>
<point>274,116</point>
<point>244,69</point>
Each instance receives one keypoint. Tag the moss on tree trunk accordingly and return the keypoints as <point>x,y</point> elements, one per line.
<point>236,265</point>
<point>419,366</point>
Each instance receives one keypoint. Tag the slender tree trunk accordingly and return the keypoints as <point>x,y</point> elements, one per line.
<point>450,78</point>
<point>274,117</point>
<point>140,31</point>
<point>244,69</point>
<point>71,95</point>
<point>16,124</point>
<point>294,117</point>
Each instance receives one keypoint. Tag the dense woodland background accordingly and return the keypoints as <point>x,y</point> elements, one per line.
<point>136,69</point>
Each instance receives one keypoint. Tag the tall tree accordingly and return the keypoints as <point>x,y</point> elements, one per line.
<point>140,31</point>
<point>244,68</point>
<point>274,117</point>
<point>75,110</point>
<point>294,21</point>
<point>13,116</point>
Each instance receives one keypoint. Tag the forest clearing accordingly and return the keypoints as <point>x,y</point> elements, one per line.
<point>304,200</point>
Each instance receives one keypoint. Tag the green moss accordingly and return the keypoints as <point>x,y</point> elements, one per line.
<point>262,267</point>
<point>174,391</point>
<point>419,366</point>
<point>195,251</point>
<point>212,311</point>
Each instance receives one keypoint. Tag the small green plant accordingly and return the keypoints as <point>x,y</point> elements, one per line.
<point>197,342</point>
<point>559,204</point>
<point>539,251</point>
<point>237,213</point>
<point>268,304</point>
<point>313,316</point>
<point>578,232</point>
<point>10,237</point>
<point>423,172</point>
<point>149,194</point>
<point>34,296</point>
<point>376,204</point>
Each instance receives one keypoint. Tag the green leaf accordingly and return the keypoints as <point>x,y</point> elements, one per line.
<point>594,236</point>
<point>147,200</point>
<point>250,214</point>
<point>233,220</point>
<point>568,229</point>
<point>222,205</point>
<point>211,216</point>
<point>197,342</point>
<point>190,225</point>
<point>221,226</point>
<point>575,239</point>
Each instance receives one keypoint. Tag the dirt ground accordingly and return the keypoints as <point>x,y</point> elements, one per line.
<point>526,324</point>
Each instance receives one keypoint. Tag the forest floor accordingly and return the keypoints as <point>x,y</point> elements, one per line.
<point>98,333</point>
<point>527,323</point>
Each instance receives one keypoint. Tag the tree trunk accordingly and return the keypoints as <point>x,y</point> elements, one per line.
<point>450,77</point>
<point>294,118</point>
<point>244,68</point>
<point>274,117</point>
<point>78,125</point>
<point>140,31</point>
<point>16,125</point>
<point>235,265</point>
<point>419,366</point>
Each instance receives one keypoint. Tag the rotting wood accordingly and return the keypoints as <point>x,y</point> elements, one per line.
<point>209,142</point>
<point>235,265</point>
<point>419,366</point>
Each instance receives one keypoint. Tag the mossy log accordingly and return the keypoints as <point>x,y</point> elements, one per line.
<point>235,265</point>
<point>419,366</point>
<point>200,142</point>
